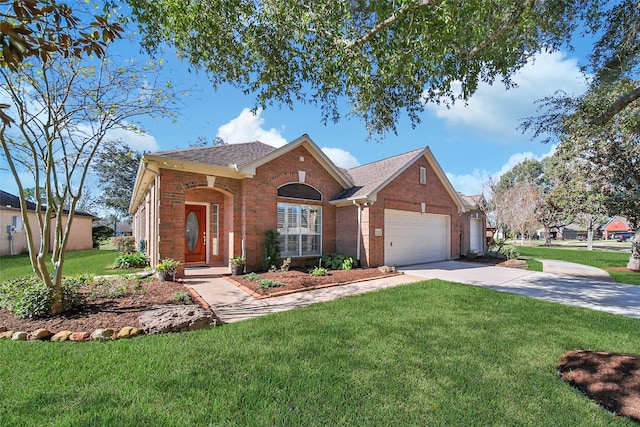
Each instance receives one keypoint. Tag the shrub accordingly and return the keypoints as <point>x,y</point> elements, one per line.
<point>101,234</point>
<point>318,271</point>
<point>104,288</point>
<point>132,260</point>
<point>510,252</point>
<point>267,283</point>
<point>181,297</point>
<point>471,255</point>
<point>338,261</point>
<point>285,264</point>
<point>125,244</point>
<point>254,277</point>
<point>29,297</point>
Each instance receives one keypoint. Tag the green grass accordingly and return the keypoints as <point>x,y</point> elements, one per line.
<point>534,265</point>
<point>432,353</point>
<point>94,262</point>
<point>595,258</point>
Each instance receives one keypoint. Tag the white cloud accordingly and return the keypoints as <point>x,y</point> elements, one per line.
<point>495,112</point>
<point>473,183</point>
<point>137,141</point>
<point>247,127</point>
<point>341,158</point>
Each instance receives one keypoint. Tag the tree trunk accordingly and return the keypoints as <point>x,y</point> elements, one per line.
<point>590,239</point>
<point>634,261</point>
<point>547,235</point>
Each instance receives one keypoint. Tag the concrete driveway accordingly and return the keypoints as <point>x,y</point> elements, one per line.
<point>561,282</point>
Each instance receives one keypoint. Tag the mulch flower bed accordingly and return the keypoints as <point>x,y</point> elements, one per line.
<point>297,281</point>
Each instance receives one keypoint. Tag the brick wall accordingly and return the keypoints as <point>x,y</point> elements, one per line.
<point>406,193</point>
<point>259,211</point>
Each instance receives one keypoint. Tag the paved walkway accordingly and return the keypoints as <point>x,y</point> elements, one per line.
<point>561,282</point>
<point>232,304</point>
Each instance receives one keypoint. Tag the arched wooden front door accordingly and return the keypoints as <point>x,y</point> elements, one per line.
<point>195,233</point>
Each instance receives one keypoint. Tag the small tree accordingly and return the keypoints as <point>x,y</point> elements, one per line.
<point>65,95</point>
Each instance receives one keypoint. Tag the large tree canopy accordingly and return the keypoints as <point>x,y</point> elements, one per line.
<point>385,57</point>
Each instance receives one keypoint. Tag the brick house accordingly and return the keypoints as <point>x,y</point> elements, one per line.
<point>204,206</point>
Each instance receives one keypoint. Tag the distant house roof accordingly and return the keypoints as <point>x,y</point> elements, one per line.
<point>8,200</point>
<point>472,202</point>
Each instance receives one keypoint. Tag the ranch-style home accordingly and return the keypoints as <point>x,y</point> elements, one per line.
<point>204,206</point>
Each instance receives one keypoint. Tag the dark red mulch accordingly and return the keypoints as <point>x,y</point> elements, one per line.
<point>101,313</point>
<point>295,280</point>
<point>610,379</point>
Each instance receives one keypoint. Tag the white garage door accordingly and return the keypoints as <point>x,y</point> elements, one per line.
<point>413,238</point>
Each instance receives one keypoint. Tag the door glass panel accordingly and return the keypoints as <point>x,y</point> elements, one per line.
<point>192,231</point>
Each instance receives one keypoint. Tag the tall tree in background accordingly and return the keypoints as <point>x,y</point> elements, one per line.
<point>543,176</point>
<point>116,166</point>
<point>386,58</point>
<point>516,207</point>
<point>64,96</point>
<point>581,190</point>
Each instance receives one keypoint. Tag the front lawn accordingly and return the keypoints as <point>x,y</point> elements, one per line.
<point>431,353</point>
<point>94,262</point>
<point>595,258</point>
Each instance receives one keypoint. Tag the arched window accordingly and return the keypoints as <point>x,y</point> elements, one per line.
<point>299,191</point>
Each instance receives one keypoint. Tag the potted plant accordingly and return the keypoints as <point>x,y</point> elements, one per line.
<point>237,265</point>
<point>166,269</point>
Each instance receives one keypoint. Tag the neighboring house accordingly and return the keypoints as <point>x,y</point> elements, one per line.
<point>577,231</point>
<point>615,224</point>
<point>14,241</point>
<point>207,205</point>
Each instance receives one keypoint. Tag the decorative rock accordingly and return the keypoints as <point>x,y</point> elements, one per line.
<point>40,334</point>
<point>104,334</point>
<point>387,269</point>
<point>128,332</point>
<point>6,335</point>
<point>19,336</point>
<point>80,336</point>
<point>159,319</point>
<point>61,336</point>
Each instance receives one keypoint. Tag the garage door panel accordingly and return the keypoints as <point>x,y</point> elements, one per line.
<point>412,238</point>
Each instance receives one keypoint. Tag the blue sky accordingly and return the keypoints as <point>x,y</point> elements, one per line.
<point>472,142</point>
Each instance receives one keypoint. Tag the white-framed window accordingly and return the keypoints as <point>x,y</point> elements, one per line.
<point>299,229</point>
<point>423,175</point>
<point>216,223</point>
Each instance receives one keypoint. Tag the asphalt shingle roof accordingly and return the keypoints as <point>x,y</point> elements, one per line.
<point>221,155</point>
<point>368,178</point>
